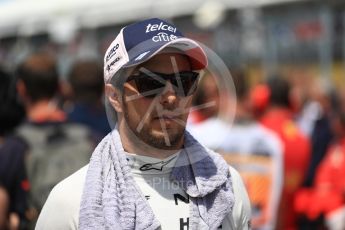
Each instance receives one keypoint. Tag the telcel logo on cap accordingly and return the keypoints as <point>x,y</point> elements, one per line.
<point>160,26</point>
<point>138,42</point>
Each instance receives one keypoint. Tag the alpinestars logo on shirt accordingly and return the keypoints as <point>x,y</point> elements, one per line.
<point>155,166</point>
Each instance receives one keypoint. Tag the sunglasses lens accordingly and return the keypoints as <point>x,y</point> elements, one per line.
<point>149,86</point>
<point>188,83</point>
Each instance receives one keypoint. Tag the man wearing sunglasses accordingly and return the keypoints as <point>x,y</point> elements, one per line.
<point>149,173</point>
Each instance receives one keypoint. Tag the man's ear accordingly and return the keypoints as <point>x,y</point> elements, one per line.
<point>114,97</point>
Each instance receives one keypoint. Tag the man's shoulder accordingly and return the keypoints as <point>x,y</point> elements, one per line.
<point>241,213</point>
<point>71,185</point>
<point>61,210</point>
<point>237,181</point>
<point>68,192</point>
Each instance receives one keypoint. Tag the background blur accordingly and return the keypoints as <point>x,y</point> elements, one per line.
<point>259,35</point>
<point>299,41</point>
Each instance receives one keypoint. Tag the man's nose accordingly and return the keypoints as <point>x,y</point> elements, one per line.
<point>168,96</point>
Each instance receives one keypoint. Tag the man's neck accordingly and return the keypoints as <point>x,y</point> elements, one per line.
<point>44,110</point>
<point>146,150</point>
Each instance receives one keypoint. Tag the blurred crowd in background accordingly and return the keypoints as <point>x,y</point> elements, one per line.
<point>287,136</point>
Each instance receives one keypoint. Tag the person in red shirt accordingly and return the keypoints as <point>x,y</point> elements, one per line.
<point>326,199</point>
<point>296,150</point>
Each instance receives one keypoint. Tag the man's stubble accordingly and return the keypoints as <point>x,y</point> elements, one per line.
<point>146,134</point>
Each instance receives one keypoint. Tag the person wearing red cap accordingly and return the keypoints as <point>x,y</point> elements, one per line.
<point>277,116</point>
<point>149,173</point>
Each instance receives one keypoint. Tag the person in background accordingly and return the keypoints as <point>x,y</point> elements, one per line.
<point>208,94</point>
<point>56,148</point>
<point>248,146</point>
<point>313,118</point>
<point>13,151</point>
<point>278,117</point>
<point>323,203</point>
<point>85,79</point>
<point>204,121</point>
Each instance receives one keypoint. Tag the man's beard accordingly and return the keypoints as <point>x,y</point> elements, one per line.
<point>146,134</point>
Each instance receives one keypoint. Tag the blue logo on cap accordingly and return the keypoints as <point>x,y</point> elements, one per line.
<point>148,35</point>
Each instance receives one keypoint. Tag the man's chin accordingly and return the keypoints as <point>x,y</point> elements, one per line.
<point>165,140</point>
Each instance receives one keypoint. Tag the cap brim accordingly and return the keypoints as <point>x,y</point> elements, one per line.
<point>192,49</point>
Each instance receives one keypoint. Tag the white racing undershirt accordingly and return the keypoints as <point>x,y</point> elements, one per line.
<point>169,202</point>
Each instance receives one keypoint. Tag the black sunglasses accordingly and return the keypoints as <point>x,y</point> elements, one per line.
<point>150,84</point>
